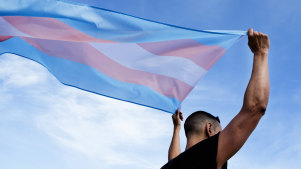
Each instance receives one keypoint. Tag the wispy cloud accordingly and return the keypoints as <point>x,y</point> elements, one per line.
<point>109,132</point>
<point>15,72</point>
<point>116,134</point>
<point>104,129</point>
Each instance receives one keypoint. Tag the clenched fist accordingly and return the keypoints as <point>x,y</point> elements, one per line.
<point>259,43</point>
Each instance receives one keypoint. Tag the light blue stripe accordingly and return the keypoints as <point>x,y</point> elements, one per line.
<point>224,41</point>
<point>105,24</point>
<point>143,31</point>
<point>135,57</point>
<point>87,78</point>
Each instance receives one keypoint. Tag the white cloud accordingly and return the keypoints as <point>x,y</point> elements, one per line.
<point>15,72</point>
<point>5,97</point>
<point>110,132</point>
<point>116,134</point>
<point>102,128</point>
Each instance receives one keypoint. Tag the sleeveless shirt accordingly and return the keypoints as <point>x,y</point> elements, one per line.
<point>200,156</point>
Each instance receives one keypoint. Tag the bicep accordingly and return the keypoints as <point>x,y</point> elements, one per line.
<point>235,134</point>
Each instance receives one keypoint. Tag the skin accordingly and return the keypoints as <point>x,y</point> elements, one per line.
<point>175,149</point>
<point>256,97</point>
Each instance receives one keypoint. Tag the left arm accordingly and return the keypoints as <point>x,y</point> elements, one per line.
<point>174,148</point>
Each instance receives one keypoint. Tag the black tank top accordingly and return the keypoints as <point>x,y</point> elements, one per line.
<point>200,156</point>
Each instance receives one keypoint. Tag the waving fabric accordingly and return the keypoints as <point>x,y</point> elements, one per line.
<point>109,53</point>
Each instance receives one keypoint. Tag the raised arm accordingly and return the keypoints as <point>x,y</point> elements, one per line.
<point>256,98</point>
<point>175,148</point>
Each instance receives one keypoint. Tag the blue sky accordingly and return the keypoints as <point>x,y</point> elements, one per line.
<point>44,124</point>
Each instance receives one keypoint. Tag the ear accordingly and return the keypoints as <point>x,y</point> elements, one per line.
<point>209,129</point>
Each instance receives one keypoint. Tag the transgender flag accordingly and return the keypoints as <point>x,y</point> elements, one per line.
<point>109,53</point>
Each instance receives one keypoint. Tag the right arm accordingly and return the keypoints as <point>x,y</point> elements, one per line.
<point>256,98</point>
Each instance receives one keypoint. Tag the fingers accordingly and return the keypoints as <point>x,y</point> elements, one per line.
<point>258,42</point>
<point>250,32</point>
<point>181,116</point>
<point>178,115</point>
<point>175,116</point>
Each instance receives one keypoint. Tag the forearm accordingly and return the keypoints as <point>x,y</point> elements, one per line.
<point>175,148</point>
<point>257,93</point>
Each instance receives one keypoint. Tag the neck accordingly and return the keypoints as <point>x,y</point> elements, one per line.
<point>192,140</point>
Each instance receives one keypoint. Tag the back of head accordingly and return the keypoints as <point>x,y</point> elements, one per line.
<point>195,123</point>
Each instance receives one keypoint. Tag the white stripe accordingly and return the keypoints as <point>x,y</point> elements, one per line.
<point>135,57</point>
<point>6,29</point>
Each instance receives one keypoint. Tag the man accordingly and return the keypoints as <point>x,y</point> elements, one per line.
<point>208,146</point>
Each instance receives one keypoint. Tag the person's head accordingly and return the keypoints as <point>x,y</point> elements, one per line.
<point>201,123</point>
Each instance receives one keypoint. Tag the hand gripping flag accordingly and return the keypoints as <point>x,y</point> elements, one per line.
<point>109,53</point>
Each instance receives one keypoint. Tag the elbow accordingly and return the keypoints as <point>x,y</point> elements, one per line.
<point>261,109</point>
<point>256,105</point>
<point>262,105</point>
<point>256,108</point>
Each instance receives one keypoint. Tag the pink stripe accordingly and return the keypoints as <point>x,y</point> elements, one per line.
<point>203,55</point>
<point>3,38</point>
<point>86,54</point>
<point>49,28</point>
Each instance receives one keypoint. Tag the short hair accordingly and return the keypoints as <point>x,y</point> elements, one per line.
<point>196,121</point>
